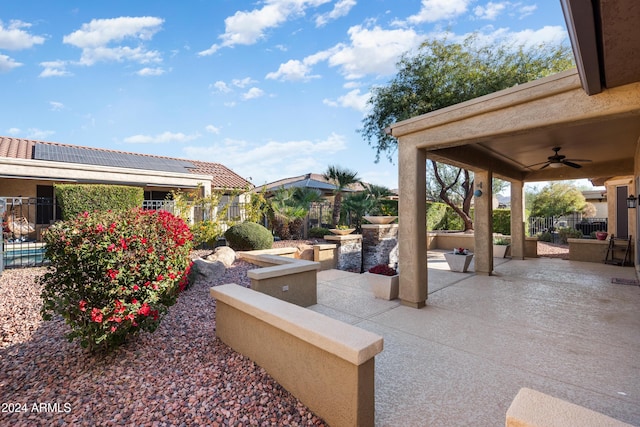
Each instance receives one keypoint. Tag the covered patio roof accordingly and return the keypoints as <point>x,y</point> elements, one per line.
<point>510,130</point>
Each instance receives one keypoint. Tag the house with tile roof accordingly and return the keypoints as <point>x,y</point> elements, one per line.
<point>30,168</point>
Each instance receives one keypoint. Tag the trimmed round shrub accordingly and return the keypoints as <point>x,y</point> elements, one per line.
<point>112,274</point>
<point>248,236</point>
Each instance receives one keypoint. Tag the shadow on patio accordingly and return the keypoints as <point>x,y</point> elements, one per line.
<point>556,326</point>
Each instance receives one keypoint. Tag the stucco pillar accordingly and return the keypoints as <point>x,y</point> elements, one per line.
<point>517,220</point>
<point>412,225</point>
<point>483,224</point>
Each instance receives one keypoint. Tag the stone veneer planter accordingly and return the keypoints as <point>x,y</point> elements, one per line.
<point>459,263</point>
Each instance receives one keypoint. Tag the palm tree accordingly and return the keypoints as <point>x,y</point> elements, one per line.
<point>341,178</point>
<point>377,193</point>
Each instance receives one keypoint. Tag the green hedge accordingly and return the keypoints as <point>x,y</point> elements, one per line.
<point>75,199</point>
<point>502,221</point>
<point>442,217</point>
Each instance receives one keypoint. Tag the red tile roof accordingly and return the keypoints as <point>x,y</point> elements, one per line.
<point>223,177</point>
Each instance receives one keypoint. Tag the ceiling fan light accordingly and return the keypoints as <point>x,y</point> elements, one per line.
<point>555,165</point>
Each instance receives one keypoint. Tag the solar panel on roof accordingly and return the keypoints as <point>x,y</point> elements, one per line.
<point>88,156</point>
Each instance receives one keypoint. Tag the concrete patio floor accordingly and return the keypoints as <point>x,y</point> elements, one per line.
<point>556,326</point>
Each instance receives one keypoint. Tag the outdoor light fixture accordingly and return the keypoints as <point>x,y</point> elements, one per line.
<point>478,191</point>
<point>632,201</point>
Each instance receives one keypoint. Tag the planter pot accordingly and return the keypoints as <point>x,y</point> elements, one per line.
<point>459,263</point>
<point>380,219</point>
<point>500,251</point>
<point>601,235</point>
<point>384,287</point>
<point>340,232</point>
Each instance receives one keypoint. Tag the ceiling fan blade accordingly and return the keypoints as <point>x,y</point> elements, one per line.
<point>571,164</point>
<point>545,166</point>
<point>578,160</point>
<point>536,164</point>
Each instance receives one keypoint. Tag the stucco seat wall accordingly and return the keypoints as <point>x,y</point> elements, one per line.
<point>327,364</point>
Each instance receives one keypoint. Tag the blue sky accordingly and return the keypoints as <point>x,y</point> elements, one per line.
<point>271,88</point>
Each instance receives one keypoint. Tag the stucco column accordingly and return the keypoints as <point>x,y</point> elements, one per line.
<point>412,225</point>
<point>483,224</point>
<point>517,220</point>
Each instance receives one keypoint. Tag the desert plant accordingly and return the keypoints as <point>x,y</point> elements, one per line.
<point>112,274</point>
<point>248,236</point>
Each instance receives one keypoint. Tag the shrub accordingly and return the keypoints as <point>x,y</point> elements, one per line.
<point>318,232</point>
<point>502,221</point>
<point>565,233</point>
<point>248,236</point>
<point>545,237</point>
<point>113,274</point>
<point>383,269</point>
<point>75,199</point>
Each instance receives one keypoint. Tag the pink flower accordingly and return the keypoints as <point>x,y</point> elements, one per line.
<point>145,310</point>
<point>96,315</point>
<point>82,305</point>
<point>136,287</point>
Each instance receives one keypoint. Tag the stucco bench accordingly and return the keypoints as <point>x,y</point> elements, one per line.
<point>327,364</point>
<point>531,408</point>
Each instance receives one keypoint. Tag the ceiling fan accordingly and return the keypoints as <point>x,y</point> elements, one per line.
<point>558,160</point>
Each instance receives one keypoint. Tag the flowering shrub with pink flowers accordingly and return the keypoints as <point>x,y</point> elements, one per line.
<point>113,274</point>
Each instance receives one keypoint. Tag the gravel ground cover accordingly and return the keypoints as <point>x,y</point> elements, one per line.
<point>181,375</point>
<point>553,250</point>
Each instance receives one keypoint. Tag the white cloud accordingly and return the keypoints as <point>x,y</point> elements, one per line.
<point>150,71</point>
<point>531,38</point>
<point>525,11</point>
<point>56,106</point>
<point>292,70</point>
<point>353,99</point>
<point>276,159</point>
<point>7,63</point>
<point>35,133</point>
<point>13,37</point>
<point>248,27</point>
<point>54,69</point>
<point>221,86</point>
<point>242,83</point>
<point>253,93</point>
<point>490,11</point>
<point>371,51</point>
<point>340,9</point>
<point>439,10</point>
<point>13,131</point>
<point>161,138</point>
<point>95,38</point>
<point>212,129</point>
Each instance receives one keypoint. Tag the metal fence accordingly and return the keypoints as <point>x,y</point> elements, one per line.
<point>587,226</point>
<point>23,221</point>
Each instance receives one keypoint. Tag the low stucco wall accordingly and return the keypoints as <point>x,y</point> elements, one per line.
<point>448,241</point>
<point>327,364</point>
<point>289,279</point>
<point>327,255</point>
<point>587,250</point>
<point>531,408</point>
<point>590,250</point>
